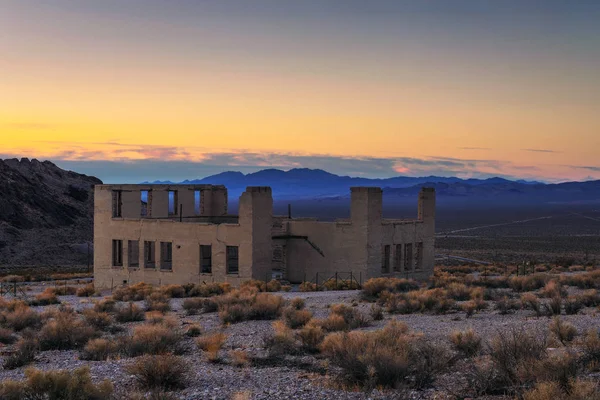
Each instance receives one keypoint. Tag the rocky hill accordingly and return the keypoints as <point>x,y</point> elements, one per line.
<point>46,214</point>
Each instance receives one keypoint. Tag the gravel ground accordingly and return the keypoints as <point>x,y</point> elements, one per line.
<point>292,378</point>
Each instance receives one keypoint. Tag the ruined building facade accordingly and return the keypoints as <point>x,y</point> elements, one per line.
<point>177,234</point>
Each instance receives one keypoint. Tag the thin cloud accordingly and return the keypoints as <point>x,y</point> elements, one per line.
<point>587,167</point>
<point>542,151</point>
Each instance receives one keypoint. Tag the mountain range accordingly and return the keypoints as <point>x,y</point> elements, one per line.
<point>305,184</point>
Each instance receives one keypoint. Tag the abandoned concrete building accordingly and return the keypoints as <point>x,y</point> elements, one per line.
<point>177,234</point>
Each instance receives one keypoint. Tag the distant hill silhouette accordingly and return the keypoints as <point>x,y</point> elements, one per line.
<point>305,184</point>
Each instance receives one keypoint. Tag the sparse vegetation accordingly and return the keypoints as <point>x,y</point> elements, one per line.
<point>211,345</point>
<point>468,343</point>
<point>165,372</point>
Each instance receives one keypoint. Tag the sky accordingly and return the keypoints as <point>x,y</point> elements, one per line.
<point>136,90</point>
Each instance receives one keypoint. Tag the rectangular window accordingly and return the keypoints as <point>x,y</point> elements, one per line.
<point>145,201</point>
<point>133,253</point>
<point>149,254</point>
<point>408,256</point>
<point>166,255</point>
<point>205,259</point>
<point>117,253</point>
<point>385,259</point>
<point>117,204</point>
<point>419,256</point>
<point>398,258</point>
<point>173,202</point>
<point>197,195</point>
<point>232,260</point>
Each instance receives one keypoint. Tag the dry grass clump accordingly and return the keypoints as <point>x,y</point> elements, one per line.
<point>390,357</point>
<point>99,320</point>
<point>282,342</point>
<point>297,303</point>
<point>152,339</point>
<point>573,304</point>
<point>24,353</point>
<point>212,344</point>
<point>272,286</point>
<point>65,331</point>
<point>352,317</point>
<point>579,389</point>
<point>194,330</point>
<point>165,372</point>
<point>47,297</point>
<point>553,289</point>
<point>530,301</point>
<point>506,305</point>
<point>376,312</point>
<point>105,305</point>
<point>311,336</point>
<point>239,358</point>
<point>62,290</point>
<point>194,305</point>
<point>209,289</point>
<point>431,300</point>
<point>99,350</point>
<point>589,298</point>
<point>129,313</point>
<point>529,283</point>
<point>466,342</point>
<point>459,291</point>
<point>374,287</point>
<point>553,306</point>
<point>7,336</point>
<point>308,287</point>
<point>19,316</point>
<point>243,305</point>
<point>157,302</point>
<point>588,280</point>
<point>173,291</point>
<point>65,385</point>
<point>136,292</point>
<point>296,318</point>
<point>341,284</point>
<point>590,346</point>
<point>86,291</point>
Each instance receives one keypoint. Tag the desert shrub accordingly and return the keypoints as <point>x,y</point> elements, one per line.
<point>469,308</point>
<point>152,339</point>
<point>45,298</point>
<point>239,358</point>
<point>590,346</point>
<point>374,287</point>
<point>166,372</point>
<point>553,289</point>
<point>513,351</point>
<point>99,320</point>
<point>376,312</point>
<point>173,291</point>
<point>129,313</point>
<point>86,291</point>
<point>466,342</point>
<point>286,288</point>
<point>273,286</point>
<point>528,283</point>
<point>105,305</point>
<point>573,305</point>
<point>193,305</point>
<point>98,350</point>
<point>531,302</point>
<point>64,332</point>
<point>209,289</point>
<point>588,280</point>
<point>62,290</point>
<point>578,390</point>
<point>352,317</point>
<point>432,300</point>
<point>194,330</point>
<point>311,336</point>
<point>459,291</point>
<point>564,331</point>
<point>589,298</point>
<point>333,323</point>
<point>554,306</point>
<point>297,303</point>
<point>24,353</point>
<point>157,302</point>
<point>388,357</point>
<point>65,385</point>
<point>296,318</point>
<point>560,367</point>
<point>211,345</point>
<point>341,284</point>
<point>282,342</point>
<point>239,306</point>
<point>506,305</point>
<point>7,336</point>
<point>308,287</point>
<point>136,292</point>
<point>154,317</point>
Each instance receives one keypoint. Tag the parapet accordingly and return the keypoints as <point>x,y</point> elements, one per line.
<point>366,189</point>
